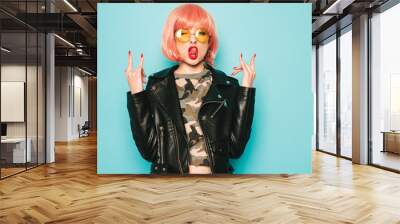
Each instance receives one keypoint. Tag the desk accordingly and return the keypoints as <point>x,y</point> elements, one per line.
<point>16,147</point>
<point>391,141</point>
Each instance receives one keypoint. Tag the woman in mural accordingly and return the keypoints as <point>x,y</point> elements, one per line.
<point>191,118</point>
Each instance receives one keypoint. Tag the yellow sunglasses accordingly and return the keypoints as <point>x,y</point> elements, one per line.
<point>183,35</point>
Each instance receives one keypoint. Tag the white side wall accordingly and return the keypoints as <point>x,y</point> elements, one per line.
<point>71,102</point>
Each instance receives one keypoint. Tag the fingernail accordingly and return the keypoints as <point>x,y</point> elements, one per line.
<point>129,52</point>
<point>240,54</point>
<point>141,55</point>
<point>255,55</point>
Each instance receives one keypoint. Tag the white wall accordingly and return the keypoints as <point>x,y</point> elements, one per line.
<point>12,73</point>
<point>79,117</point>
<point>62,81</point>
<point>34,125</point>
<point>15,72</point>
<point>71,93</point>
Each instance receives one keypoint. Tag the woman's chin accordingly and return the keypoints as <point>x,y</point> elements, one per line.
<point>193,62</point>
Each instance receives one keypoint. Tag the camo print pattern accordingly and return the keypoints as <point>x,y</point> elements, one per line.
<point>191,88</point>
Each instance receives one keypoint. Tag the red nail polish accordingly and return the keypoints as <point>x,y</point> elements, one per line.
<point>129,52</point>
<point>141,55</point>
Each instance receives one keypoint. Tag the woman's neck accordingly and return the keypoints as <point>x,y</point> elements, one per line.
<point>184,68</point>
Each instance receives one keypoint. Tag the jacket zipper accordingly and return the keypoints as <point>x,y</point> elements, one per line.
<point>206,137</point>
<point>161,148</point>
<point>208,150</point>
<point>176,142</point>
<point>177,145</point>
<point>219,107</point>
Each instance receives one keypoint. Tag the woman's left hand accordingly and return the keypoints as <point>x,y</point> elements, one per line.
<point>248,71</point>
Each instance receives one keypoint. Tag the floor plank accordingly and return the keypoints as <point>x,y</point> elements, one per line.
<point>70,191</point>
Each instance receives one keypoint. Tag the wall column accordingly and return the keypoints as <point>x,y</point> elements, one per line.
<point>360,90</point>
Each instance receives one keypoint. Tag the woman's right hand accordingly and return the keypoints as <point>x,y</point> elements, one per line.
<point>136,76</point>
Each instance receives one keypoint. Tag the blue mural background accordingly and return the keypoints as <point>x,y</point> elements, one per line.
<point>280,34</point>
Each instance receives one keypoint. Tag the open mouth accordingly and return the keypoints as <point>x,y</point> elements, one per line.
<point>193,52</point>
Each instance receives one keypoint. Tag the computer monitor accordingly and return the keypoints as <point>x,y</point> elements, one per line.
<point>3,129</point>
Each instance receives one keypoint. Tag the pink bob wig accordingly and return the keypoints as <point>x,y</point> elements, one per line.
<point>188,16</point>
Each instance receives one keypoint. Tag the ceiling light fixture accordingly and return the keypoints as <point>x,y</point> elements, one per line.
<point>337,7</point>
<point>70,5</point>
<point>84,71</point>
<point>5,50</point>
<point>64,40</point>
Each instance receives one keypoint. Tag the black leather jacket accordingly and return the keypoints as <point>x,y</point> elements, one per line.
<point>225,116</point>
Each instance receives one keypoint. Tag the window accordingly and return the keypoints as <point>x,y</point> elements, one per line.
<point>346,93</point>
<point>327,96</point>
<point>385,88</point>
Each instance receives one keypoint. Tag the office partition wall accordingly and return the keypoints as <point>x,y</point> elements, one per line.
<point>13,79</point>
<point>22,79</point>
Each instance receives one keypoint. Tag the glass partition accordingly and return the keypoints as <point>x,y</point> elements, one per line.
<point>327,95</point>
<point>13,103</point>
<point>22,77</point>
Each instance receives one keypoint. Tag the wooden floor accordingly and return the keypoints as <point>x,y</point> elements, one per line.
<point>387,159</point>
<point>5,172</point>
<point>70,191</point>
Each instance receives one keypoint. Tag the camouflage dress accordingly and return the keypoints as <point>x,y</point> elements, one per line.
<point>191,88</point>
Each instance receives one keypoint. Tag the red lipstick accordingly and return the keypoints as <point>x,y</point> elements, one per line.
<point>193,52</point>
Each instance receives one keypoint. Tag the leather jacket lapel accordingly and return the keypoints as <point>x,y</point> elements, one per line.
<point>213,94</point>
<point>167,95</point>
